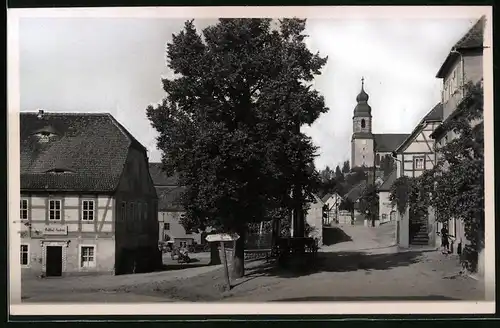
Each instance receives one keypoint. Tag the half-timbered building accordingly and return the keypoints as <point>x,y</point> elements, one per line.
<point>88,203</point>
<point>415,155</point>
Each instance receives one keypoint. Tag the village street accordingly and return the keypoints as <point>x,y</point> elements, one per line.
<point>367,267</point>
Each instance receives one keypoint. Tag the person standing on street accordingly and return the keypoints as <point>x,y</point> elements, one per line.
<point>445,242</point>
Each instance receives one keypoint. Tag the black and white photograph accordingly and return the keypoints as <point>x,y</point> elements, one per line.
<point>315,160</point>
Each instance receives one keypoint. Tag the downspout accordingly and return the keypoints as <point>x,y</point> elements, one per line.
<point>462,68</point>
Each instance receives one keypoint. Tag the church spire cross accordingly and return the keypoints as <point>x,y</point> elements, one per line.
<point>362,82</point>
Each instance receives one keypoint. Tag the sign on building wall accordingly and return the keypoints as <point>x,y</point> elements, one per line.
<point>55,230</point>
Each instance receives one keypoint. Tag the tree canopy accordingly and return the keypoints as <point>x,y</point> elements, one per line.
<point>230,122</point>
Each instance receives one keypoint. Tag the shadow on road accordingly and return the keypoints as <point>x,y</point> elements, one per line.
<point>339,262</point>
<point>194,263</point>
<point>334,235</point>
<point>361,298</point>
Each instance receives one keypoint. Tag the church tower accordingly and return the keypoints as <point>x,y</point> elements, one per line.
<point>362,147</point>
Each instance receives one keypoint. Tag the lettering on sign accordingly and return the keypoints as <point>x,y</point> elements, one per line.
<point>55,230</point>
<point>222,237</point>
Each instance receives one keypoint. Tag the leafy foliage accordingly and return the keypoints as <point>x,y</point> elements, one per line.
<point>387,165</point>
<point>401,190</point>
<point>369,202</point>
<point>346,168</point>
<point>230,123</point>
<point>459,178</point>
<point>455,186</point>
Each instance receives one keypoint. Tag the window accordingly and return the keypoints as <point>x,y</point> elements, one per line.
<point>139,211</point>
<point>377,159</point>
<point>88,210</point>
<point>24,209</point>
<point>25,258</point>
<point>166,226</point>
<point>132,211</point>
<point>55,210</point>
<point>363,123</point>
<point>419,163</point>
<point>87,256</point>
<point>146,216</point>
<point>124,211</point>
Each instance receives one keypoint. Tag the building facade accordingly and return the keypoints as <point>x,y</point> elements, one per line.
<point>170,209</point>
<point>463,65</point>
<point>332,201</point>
<point>88,203</point>
<point>414,156</point>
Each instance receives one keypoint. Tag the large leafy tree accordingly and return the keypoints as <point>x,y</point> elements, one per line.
<point>369,203</point>
<point>230,123</point>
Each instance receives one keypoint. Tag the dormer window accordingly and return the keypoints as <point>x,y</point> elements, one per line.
<point>45,135</point>
<point>59,171</point>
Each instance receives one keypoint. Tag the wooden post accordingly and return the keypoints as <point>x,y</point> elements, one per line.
<point>226,269</point>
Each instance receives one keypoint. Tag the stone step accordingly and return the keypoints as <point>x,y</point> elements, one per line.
<point>419,243</point>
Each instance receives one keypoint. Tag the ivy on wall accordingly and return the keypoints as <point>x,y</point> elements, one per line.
<point>455,187</point>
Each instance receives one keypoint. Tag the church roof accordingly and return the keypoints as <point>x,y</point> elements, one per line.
<point>473,39</point>
<point>388,142</point>
<point>362,108</point>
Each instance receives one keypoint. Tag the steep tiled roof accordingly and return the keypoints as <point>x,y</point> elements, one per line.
<point>473,39</point>
<point>434,115</point>
<point>388,142</point>
<point>169,198</point>
<point>386,186</point>
<point>159,176</point>
<point>89,151</point>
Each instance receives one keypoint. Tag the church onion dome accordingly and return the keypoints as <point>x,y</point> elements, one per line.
<point>362,108</point>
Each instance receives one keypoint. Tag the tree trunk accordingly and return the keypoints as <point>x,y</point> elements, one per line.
<point>298,213</point>
<point>275,232</point>
<point>239,256</point>
<point>214,254</point>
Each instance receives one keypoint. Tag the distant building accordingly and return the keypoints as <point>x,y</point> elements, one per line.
<point>463,64</point>
<point>170,209</point>
<point>88,203</point>
<point>333,202</point>
<point>353,196</point>
<point>314,218</point>
<point>387,212</point>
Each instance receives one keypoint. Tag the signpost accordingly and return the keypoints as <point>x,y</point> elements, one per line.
<point>223,237</point>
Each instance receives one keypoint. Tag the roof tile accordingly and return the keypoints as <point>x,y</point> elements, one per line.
<point>91,147</point>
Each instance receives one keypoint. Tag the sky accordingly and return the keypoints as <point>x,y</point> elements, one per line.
<point>116,65</point>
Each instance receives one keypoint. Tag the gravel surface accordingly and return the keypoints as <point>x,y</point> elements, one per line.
<point>367,268</point>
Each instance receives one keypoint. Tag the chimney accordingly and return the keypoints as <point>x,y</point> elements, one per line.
<point>40,113</point>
